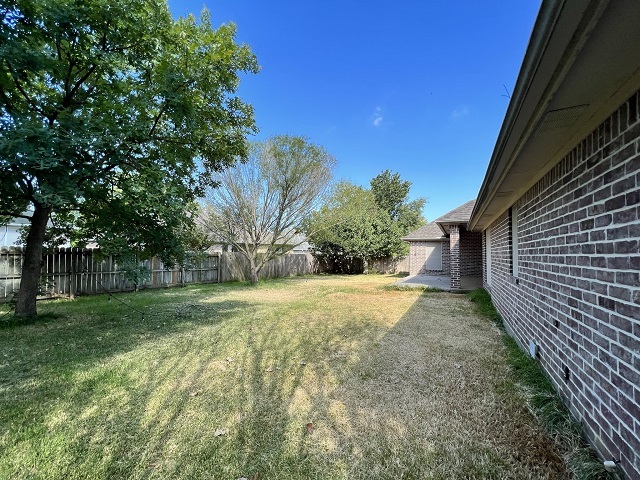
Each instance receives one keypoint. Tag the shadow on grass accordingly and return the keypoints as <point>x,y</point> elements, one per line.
<point>431,399</point>
<point>432,404</point>
<point>59,372</point>
<point>92,328</point>
<point>207,388</point>
<point>418,288</point>
<point>543,399</point>
<point>8,320</point>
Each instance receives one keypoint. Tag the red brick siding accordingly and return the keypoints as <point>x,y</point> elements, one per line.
<point>446,259</point>
<point>484,259</point>
<point>577,294</point>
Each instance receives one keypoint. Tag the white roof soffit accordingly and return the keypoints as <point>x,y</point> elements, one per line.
<point>581,64</point>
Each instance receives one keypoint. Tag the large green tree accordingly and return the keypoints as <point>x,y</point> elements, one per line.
<point>350,228</point>
<point>106,109</point>
<point>392,196</point>
<point>259,206</point>
<point>357,224</point>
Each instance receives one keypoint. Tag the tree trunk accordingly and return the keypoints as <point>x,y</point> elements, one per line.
<point>254,278</point>
<point>30,278</point>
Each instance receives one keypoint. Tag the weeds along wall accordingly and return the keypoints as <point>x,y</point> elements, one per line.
<point>575,291</point>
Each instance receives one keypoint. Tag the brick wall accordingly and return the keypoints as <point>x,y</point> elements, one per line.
<point>418,257</point>
<point>470,253</point>
<point>484,260</point>
<point>446,260</point>
<point>454,245</point>
<point>577,292</point>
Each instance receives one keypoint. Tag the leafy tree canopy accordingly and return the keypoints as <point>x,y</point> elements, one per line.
<point>351,226</point>
<point>105,107</point>
<point>361,224</point>
<point>392,196</point>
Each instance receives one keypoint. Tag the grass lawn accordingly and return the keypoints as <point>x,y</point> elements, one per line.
<point>324,377</point>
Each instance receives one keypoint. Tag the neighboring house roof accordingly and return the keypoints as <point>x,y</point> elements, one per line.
<point>297,239</point>
<point>461,214</point>
<point>430,231</point>
<point>581,64</point>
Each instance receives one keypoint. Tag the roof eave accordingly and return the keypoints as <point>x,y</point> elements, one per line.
<point>540,36</point>
<point>570,40</point>
<point>434,239</point>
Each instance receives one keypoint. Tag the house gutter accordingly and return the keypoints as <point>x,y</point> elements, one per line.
<point>540,36</point>
<point>545,25</point>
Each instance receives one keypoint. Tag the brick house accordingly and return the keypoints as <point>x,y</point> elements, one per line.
<point>447,247</point>
<point>559,215</point>
<point>428,251</point>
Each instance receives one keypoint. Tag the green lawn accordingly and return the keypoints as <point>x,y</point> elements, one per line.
<point>324,377</point>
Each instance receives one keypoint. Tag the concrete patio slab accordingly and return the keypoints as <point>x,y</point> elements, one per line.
<point>441,282</point>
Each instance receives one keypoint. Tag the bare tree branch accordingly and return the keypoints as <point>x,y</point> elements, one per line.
<point>261,205</point>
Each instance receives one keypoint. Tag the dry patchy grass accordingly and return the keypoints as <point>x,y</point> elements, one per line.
<point>312,377</point>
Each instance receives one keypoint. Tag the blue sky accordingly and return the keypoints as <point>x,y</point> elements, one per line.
<point>415,86</point>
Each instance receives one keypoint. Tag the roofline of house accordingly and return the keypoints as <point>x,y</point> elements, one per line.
<point>425,239</point>
<point>452,222</point>
<point>580,66</point>
<point>543,28</point>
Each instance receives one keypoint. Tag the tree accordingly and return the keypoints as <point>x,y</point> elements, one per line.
<point>144,216</point>
<point>359,224</point>
<point>390,192</point>
<point>351,227</point>
<point>104,104</point>
<point>392,196</point>
<point>259,206</point>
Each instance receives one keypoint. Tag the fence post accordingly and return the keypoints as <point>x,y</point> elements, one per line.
<point>72,272</point>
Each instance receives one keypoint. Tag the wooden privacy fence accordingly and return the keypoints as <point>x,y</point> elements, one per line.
<point>77,271</point>
<point>74,271</point>
<point>235,267</point>
<point>390,265</point>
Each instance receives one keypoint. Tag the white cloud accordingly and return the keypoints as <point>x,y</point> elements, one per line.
<point>377,117</point>
<point>460,111</point>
